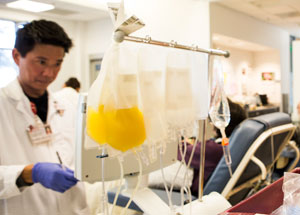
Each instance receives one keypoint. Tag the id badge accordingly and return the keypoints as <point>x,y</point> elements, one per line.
<point>39,133</point>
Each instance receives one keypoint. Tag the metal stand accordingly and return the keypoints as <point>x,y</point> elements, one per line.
<point>202,159</point>
<point>202,146</point>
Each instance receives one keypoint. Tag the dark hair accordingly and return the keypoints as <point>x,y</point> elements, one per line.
<point>237,115</point>
<point>41,32</point>
<point>73,82</point>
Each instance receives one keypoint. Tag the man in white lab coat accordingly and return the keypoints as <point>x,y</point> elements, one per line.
<point>33,144</point>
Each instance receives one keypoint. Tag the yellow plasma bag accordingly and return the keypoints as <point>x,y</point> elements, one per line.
<point>113,115</point>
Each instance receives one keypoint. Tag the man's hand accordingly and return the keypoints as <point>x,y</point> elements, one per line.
<point>53,176</point>
<point>27,173</point>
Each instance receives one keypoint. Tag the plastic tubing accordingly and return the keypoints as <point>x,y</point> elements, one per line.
<point>186,189</point>
<point>188,165</point>
<point>103,194</point>
<point>182,153</point>
<point>182,156</point>
<point>164,180</point>
<point>120,184</point>
<point>182,161</point>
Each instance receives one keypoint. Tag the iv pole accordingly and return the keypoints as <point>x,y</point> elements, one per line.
<point>120,36</point>
<point>202,146</point>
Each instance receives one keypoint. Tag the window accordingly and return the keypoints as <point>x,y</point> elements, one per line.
<point>8,69</point>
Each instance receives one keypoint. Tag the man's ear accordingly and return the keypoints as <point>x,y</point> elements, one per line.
<point>16,56</point>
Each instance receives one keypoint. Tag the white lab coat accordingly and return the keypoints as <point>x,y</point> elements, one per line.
<point>70,98</point>
<point>16,151</point>
<point>68,94</point>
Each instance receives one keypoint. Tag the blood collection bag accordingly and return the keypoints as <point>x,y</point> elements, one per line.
<point>180,107</point>
<point>151,68</point>
<point>199,84</point>
<point>113,115</point>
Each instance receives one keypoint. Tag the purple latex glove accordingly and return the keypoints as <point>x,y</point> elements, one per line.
<point>53,176</point>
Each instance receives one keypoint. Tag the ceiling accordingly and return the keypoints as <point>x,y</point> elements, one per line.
<point>284,13</point>
<point>80,10</point>
<point>224,41</point>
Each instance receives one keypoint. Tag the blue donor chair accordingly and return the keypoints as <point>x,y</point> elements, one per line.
<point>255,146</point>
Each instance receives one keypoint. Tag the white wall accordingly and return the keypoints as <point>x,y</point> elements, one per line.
<point>71,64</point>
<point>95,39</point>
<point>228,22</point>
<point>268,61</point>
<point>168,20</point>
<point>252,64</point>
<point>239,60</point>
<point>296,78</point>
<point>186,22</point>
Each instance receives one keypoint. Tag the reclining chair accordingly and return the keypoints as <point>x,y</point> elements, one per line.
<point>251,146</point>
<point>255,146</point>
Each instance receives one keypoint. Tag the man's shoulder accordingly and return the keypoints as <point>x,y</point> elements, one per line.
<point>12,90</point>
<point>7,104</point>
<point>3,96</point>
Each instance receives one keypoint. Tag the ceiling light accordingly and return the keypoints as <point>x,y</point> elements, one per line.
<point>31,6</point>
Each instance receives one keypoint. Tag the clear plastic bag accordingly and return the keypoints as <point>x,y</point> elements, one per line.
<point>199,84</point>
<point>113,114</point>
<point>291,190</point>
<point>219,111</point>
<point>151,69</point>
<point>180,109</point>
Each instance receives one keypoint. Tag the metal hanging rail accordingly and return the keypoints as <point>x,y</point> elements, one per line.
<point>120,36</point>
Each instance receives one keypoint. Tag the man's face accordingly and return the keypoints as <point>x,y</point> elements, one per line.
<point>39,67</point>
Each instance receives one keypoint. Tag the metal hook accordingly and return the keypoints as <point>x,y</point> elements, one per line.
<point>172,43</point>
<point>147,39</point>
<point>194,47</point>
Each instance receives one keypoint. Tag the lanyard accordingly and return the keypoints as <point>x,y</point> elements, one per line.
<point>33,108</point>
